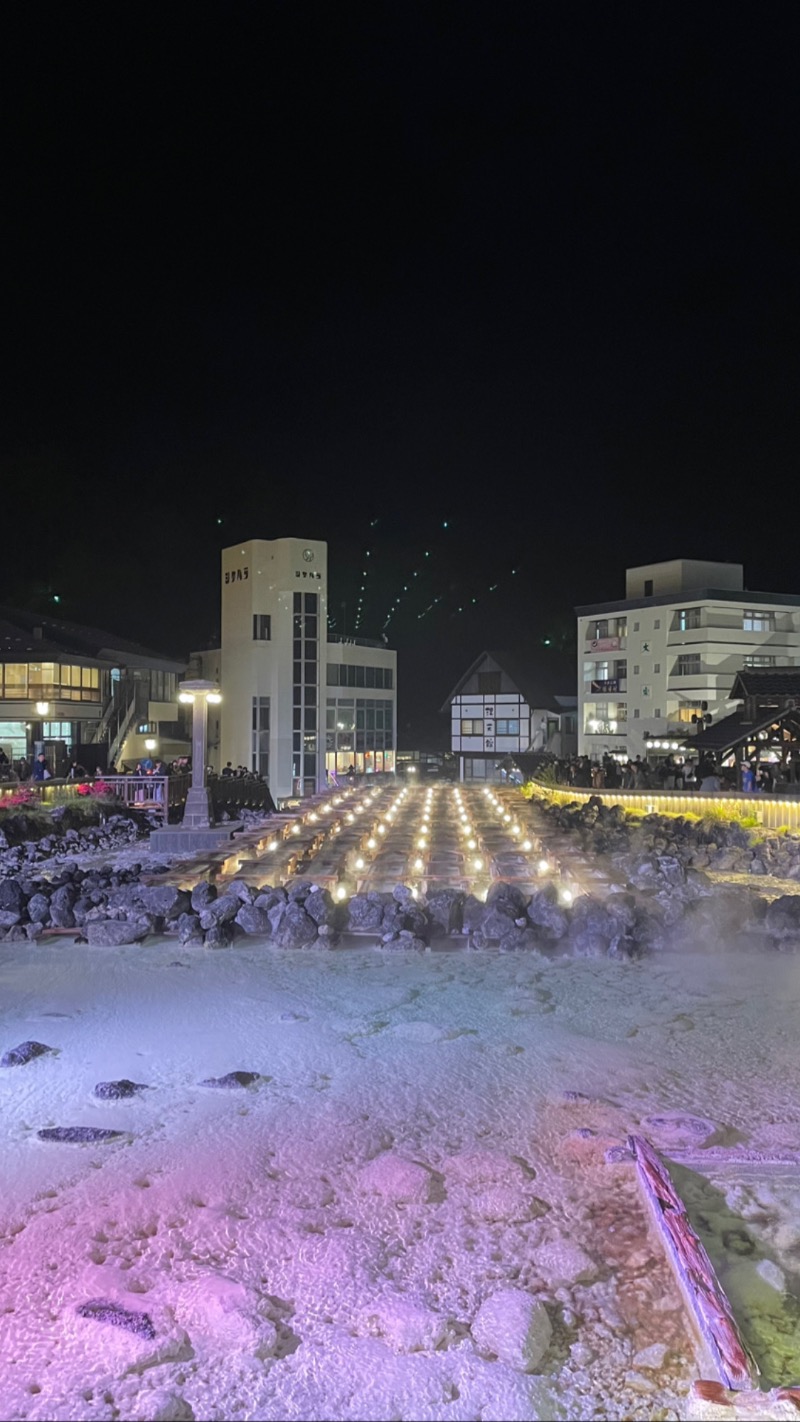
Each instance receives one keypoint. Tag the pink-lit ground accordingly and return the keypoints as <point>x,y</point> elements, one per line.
<point>293,1265</point>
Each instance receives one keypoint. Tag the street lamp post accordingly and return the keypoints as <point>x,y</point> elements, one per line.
<point>199,813</point>
<point>42,710</point>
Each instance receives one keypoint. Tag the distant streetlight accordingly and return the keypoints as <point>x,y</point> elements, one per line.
<point>198,813</point>
<point>42,710</point>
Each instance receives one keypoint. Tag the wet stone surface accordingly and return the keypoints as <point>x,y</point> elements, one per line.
<point>118,1090</point>
<point>25,1052</point>
<point>78,1135</point>
<point>103,1311</point>
<point>233,1080</point>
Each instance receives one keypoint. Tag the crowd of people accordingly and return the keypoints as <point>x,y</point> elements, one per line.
<point>665,774</point>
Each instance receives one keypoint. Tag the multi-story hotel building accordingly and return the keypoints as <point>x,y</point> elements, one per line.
<point>662,661</point>
<point>297,704</point>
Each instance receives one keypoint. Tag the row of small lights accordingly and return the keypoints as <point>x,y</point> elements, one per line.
<point>465,828</point>
<point>566,895</point>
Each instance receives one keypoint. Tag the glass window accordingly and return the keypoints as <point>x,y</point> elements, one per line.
<point>297,716</point>
<point>657,624</point>
<point>359,676</point>
<point>370,676</point>
<point>507,728</point>
<point>310,718</point>
<point>689,664</point>
<point>379,676</point>
<point>311,602</point>
<point>262,627</point>
<point>16,681</point>
<point>657,668</point>
<point>687,618</point>
<point>297,602</point>
<point>760,661</point>
<point>333,674</point>
<point>310,673</point>
<point>311,628</point>
<point>472,728</point>
<point>388,678</point>
<point>757,621</point>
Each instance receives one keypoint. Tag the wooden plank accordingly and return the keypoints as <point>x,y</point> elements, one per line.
<point>705,1298</point>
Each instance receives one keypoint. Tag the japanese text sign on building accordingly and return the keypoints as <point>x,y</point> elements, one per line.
<point>237,575</point>
<point>604,644</point>
<point>609,683</point>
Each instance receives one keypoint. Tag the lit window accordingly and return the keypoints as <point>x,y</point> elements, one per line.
<point>686,619</point>
<point>262,627</point>
<point>758,621</point>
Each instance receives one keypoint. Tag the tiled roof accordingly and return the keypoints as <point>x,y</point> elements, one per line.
<point>766,681</point>
<point>722,736</point>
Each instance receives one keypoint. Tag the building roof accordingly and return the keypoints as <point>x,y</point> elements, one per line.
<point>743,596</point>
<point>723,736</point>
<point>546,682</point>
<point>57,638</point>
<point>766,681</point>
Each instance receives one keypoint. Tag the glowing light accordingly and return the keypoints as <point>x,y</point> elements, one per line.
<point>526,845</point>
<point>472,844</point>
<point>272,845</point>
<point>186,697</point>
<point>566,896</point>
<point>418,865</point>
<point>295,829</point>
<point>341,892</point>
<point>381,829</point>
<point>213,698</point>
<point>477,863</point>
<point>359,863</point>
<point>543,866</point>
<point>371,843</point>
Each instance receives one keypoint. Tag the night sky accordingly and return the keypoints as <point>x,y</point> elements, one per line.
<point>358,272</point>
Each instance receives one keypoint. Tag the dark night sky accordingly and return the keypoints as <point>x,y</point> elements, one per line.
<point>529,270</point>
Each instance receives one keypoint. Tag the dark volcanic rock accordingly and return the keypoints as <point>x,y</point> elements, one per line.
<point>38,908</point>
<point>12,899</point>
<point>79,1135</point>
<point>112,932</point>
<point>165,901</point>
<point>220,911</point>
<point>61,904</point>
<point>365,913</point>
<point>203,894</point>
<point>189,930</point>
<point>783,916</point>
<point>25,1052</point>
<point>296,929</point>
<point>253,920</point>
<point>446,910</point>
<point>118,1090</point>
<point>232,1080</point>
<point>320,906</point>
<point>103,1311</point>
<point>544,911</point>
<point>506,899</point>
<point>219,935</point>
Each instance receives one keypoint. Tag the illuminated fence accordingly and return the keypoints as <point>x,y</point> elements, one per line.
<point>772,811</point>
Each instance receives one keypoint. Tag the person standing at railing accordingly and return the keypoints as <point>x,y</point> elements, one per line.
<point>41,770</point>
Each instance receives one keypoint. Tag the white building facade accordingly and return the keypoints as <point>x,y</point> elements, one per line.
<point>502,709</point>
<point>656,666</point>
<point>295,706</point>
